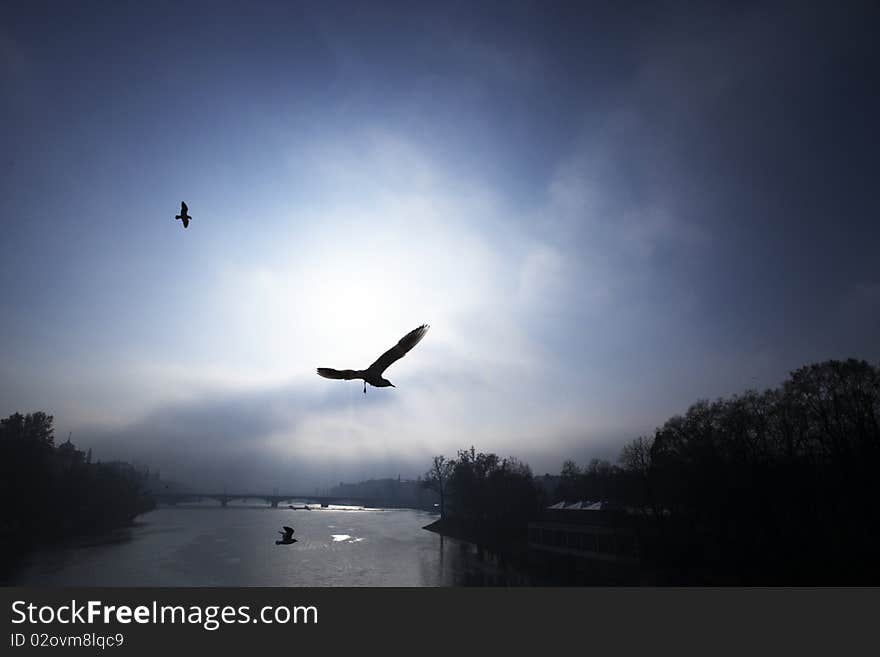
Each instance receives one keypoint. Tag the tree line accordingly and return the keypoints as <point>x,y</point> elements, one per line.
<point>777,486</point>
<point>49,490</point>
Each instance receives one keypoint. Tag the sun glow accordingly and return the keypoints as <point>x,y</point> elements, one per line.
<point>338,298</point>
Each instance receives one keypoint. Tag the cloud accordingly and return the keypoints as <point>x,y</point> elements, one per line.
<point>559,210</point>
<point>405,242</point>
<point>520,359</point>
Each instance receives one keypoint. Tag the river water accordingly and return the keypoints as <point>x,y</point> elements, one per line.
<point>201,545</point>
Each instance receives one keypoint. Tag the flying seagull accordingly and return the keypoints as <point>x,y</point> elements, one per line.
<point>373,374</point>
<point>286,536</point>
<point>183,214</point>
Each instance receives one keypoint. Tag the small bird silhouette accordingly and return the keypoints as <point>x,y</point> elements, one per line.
<point>286,536</point>
<point>183,214</point>
<point>373,374</point>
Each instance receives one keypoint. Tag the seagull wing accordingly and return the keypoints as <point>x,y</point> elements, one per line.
<point>330,373</point>
<point>288,531</point>
<point>399,350</point>
<point>185,221</point>
<point>183,208</point>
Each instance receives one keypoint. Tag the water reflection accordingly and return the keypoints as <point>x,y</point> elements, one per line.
<point>214,546</point>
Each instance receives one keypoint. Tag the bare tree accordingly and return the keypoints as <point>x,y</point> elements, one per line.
<point>437,477</point>
<point>637,456</point>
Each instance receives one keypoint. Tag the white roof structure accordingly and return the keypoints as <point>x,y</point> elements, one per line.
<point>581,505</point>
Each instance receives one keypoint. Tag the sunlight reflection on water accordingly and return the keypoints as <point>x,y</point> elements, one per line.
<point>235,546</point>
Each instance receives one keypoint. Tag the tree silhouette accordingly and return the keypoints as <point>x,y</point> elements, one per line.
<point>773,487</point>
<point>52,491</point>
<point>768,487</point>
<point>437,478</point>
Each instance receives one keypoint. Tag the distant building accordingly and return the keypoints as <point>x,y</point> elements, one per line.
<point>68,455</point>
<point>589,530</point>
<point>389,493</point>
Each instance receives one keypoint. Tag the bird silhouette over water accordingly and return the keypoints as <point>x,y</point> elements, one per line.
<point>183,216</point>
<point>373,374</point>
<point>286,536</point>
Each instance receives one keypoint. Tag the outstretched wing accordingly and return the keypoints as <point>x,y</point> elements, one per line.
<point>330,373</point>
<point>185,221</point>
<point>183,208</point>
<point>399,350</point>
<point>288,531</point>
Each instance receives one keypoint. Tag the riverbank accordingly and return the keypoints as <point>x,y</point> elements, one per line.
<point>511,543</point>
<point>545,568</point>
<point>17,544</point>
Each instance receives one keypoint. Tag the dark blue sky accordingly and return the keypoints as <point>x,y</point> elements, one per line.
<point>605,210</point>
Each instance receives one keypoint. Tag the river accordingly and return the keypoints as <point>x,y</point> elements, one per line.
<point>201,545</point>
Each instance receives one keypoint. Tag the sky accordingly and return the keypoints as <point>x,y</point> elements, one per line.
<point>605,211</point>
